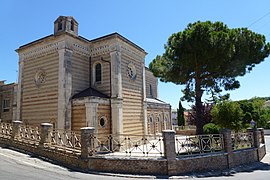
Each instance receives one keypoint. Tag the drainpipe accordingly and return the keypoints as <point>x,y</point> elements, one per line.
<point>110,90</point>
<point>90,71</point>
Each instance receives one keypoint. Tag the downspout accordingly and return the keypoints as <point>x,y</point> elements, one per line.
<point>110,66</point>
<point>90,71</point>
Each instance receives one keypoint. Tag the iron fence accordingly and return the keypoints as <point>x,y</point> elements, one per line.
<point>242,140</point>
<point>127,145</point>
<point>199,144</point>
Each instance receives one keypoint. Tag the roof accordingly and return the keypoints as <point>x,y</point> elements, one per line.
<point>115,34</point>
<point>154,100</point>
<point>84,39</point>
<point>90,92</point>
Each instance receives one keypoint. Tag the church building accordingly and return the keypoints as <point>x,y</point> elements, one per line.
<point>73,82</point>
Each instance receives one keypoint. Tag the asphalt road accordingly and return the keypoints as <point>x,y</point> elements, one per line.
<point>19,166</point>
<point>256,171</point>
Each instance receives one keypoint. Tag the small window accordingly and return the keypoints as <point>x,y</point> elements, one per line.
<point>72,26</point>
<point>6,105</point>
<point>60,26</point>
<point>151,119</point>
<point>98,72</point>
<point>158,118</point>
<point>151,90</point>
<point>102,122</point>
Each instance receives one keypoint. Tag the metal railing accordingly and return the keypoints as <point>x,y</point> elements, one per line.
<point>242,140</point>
<point>127,145</point>
<point>199,144</point>
<point>29,134</point>
<point>5,130</point>
<point>65,141</point>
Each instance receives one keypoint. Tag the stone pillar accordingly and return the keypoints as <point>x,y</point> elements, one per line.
<point>92,114</point>
<point>145,123</point>
<point>255,134</point>
<point>262,135</point>
<point>227,138</point>
<point>169,151</point>
<point>117,116</point>
<point>15,129</point>
<point>64,88</point>
<point>256,138</point>
<point>19,88</point>
<point>87,142</point>
<point>45,129</point>
<point>116,76</point>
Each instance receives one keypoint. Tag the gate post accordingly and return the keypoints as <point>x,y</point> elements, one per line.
<point>169,151</point>
<point>227,137</point>
<point>87,144</point>
<point>44,133</point>
<point>15,129</point>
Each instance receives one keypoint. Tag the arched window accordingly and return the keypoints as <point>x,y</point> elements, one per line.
<point>72,26</point>
<point>151,119</point>
<point>151,90</point>
<point>60,25</point>
<point>98,72</point>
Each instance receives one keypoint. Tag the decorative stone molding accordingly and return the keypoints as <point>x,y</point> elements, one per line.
<point>81,49</point>
<point>132,52</point>
<point>157,106</point>
<point>43,50</point>
<point>90,99</point>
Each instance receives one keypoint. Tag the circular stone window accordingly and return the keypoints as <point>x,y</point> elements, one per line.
<point>102,122</point>
<point>40,77</point>
<point>131,71</point>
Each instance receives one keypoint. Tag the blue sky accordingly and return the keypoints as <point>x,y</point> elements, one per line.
<point>148,23</point>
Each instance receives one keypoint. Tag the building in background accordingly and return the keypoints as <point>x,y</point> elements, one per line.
<point>7,102</point>
<point>73,82</point>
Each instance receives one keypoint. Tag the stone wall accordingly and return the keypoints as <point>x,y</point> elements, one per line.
<point>201,163</point>
<point>128,165</point>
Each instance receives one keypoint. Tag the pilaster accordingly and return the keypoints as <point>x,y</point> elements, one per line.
<point>92,114</point>
<point>117,116</point>
<point>19,88</point>
<point>64,89</point>
<point>116,76</point>
<point>145,123</point>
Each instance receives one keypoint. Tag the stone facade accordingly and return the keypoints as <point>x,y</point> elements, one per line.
<point>7,101</point>
<point>73,82</point>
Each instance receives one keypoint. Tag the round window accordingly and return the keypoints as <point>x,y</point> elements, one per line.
<point>102,122</point>
<point>131,70</point>
<point>40,77</point>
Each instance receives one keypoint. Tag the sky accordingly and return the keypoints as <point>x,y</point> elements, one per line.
<point>147,23</point>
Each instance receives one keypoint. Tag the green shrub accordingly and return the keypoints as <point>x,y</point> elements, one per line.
<point>211,128</point>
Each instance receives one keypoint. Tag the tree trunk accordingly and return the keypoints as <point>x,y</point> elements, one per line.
<point>199,118</point>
